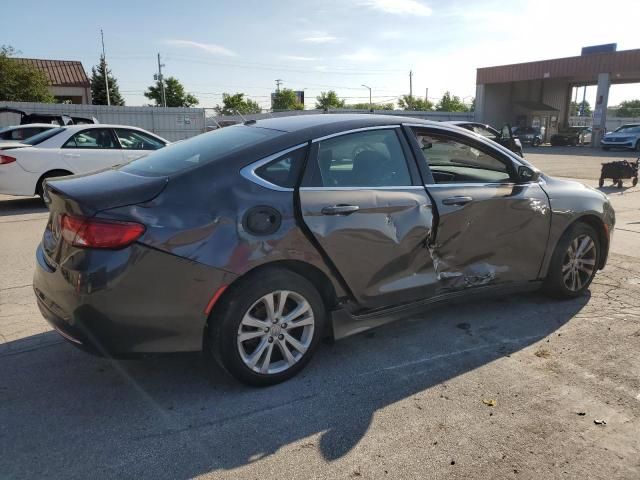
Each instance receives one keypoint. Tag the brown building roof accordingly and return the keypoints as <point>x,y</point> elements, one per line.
<point>624,67</point>
<point>61,73</point>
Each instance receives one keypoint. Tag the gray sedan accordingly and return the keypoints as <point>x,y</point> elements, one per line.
<point>255,241</point>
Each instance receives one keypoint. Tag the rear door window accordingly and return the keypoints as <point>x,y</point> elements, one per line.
<point>372,158</point>
<point>96,138</point>
<point>199,150</point>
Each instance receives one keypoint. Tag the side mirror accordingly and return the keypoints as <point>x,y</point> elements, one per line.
<point>528,174</point>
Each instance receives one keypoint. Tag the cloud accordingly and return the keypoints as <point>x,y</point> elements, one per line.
<point>297,58</point>
<point>400,7</point>
<point>362,55</point>
<point>207,47</point>
<point>319,37</point>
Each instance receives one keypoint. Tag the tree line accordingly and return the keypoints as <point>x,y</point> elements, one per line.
<point>22,82</point>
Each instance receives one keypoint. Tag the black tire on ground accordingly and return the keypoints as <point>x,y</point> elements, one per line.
<point>601,182</point>
<point>638,146</point>
<point>238,300</point>
<point>51,174</point>
<point>554,284</point>
<point>535,142</point>
<point>634,182</point>
<point>619,184</point>
<point>573,142</point>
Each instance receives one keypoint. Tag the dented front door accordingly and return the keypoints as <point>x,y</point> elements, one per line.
<point>489,233</point>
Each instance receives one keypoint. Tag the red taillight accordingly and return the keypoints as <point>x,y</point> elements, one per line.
<point>4,159</point>
<point>94,233</point>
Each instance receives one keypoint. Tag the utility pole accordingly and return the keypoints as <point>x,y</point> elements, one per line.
<point>106,78</point>
<point>584,99</point>
<point>278,82</point>
<point>159,77</point>
<point>426,94</point>
<point>410,83</point>
<point>370,102</point>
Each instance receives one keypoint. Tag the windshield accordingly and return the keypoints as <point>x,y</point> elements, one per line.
<point>42,136</point>
<point>200,150</point>
<point>628,129</point>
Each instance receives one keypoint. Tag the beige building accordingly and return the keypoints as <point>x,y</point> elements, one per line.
<point>68,80</point>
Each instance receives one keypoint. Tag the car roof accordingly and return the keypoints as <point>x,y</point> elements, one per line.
<point>339,120</point>
<point>98,125</point>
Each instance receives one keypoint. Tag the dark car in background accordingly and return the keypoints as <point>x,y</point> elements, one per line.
<point>504,137</point>
<point>254,241</point>
<point>528,135</point>
<point>571,136</point>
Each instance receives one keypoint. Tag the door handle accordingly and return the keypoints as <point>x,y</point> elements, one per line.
<point>340,210</point>
<point>72,155</point>
<point>457,200</point>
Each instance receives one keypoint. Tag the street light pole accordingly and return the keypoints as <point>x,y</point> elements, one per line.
<point>370,102</point>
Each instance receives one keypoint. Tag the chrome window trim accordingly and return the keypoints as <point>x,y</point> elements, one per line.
<point>355,130</point>
<point>480,184</point>
<point>249,172</point>
<point>406,187</point>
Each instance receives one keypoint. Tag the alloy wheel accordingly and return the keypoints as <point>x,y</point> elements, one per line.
<point>579,262</point>
<point>276,332</point>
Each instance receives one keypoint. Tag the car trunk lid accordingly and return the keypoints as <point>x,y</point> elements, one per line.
<point>86,195</point>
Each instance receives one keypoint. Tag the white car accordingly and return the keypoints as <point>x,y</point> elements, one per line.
<point>19,133</point>
<point>71,150</point>
<point>626,136</point>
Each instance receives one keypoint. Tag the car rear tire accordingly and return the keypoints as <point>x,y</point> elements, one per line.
<point>574,262</point>
<point>265,329</point>
<point>535,142</point>
<point>51,174</point>
<point>601,182</point>
<point>573,142</point>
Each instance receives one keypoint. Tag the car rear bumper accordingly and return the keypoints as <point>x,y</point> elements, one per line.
<point>14,180</point>
<point>126,302</point>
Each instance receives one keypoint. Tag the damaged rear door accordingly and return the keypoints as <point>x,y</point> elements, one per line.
<point>491,227</point>
<point>369,213</point>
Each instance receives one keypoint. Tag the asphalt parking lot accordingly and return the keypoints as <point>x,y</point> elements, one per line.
<point>512,387</point>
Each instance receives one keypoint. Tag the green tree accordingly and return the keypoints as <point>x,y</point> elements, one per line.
<point>234,104</point>
<point>286,99</point>
<point>174,91</point>
<point>451,103</point>
<point>366,106</point>
<point>574,109</point>
<point>327,100</point>
<point>408,102</point>
<point>99,89</point>
<point>629,108</point>
<point>21,82</point>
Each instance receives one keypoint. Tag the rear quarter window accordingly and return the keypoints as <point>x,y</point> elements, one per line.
<point>199,150</point>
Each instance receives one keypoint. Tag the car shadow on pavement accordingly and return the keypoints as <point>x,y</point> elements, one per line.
<point>22,205</point>
<point>71,415</point>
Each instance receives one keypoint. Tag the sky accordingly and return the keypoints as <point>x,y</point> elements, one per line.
<point>245,45</point>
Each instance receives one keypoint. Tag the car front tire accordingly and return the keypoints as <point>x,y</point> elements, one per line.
<point>574,262</point>
<point>266,328</point>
